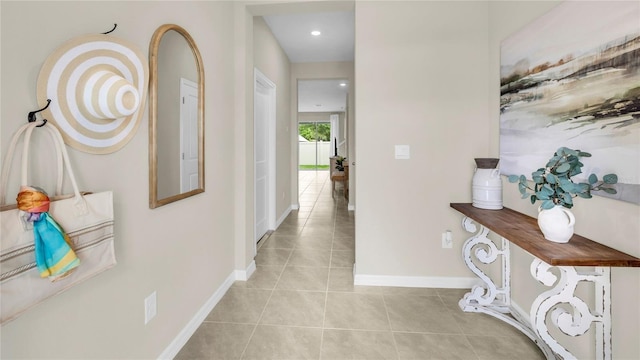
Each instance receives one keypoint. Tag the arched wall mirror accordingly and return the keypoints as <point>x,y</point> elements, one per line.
<point>176,117</point>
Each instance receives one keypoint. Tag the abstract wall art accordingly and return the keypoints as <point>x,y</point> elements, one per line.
<point>572,78</point>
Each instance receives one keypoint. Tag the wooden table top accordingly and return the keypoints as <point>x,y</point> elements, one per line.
<point>523,231</point>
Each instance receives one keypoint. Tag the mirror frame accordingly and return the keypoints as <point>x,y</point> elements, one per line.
<point>154,201</point>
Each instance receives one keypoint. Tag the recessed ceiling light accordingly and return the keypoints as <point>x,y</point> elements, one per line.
<point>316,33</point>
<point>343,84</point>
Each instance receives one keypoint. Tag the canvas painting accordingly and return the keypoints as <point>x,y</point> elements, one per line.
<point>572,78</point>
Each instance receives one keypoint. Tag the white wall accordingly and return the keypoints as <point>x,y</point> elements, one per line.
<point>421,80</point>
<point>165,249</point>
<point>273,63</point>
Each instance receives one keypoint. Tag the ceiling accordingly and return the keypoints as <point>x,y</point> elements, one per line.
<point>322,95</point>
<point>335,43</point>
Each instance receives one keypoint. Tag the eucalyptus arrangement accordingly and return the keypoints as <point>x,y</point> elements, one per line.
<point>553,184</point>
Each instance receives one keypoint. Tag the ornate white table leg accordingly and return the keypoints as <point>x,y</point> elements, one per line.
<point>488,298</point>
<point>486,252</point>
<point>577,321</point>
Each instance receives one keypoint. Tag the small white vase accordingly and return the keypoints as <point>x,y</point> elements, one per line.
<point>556,223</point>
<point>486,186</point>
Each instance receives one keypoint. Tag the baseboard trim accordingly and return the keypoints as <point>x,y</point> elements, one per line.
<point>416,281</point>
<point>351,207</point>
<point>295,207</point>
<point>520,314</point>
<point>185,334</point>
<point>244,275</point>
<point>284,216</point>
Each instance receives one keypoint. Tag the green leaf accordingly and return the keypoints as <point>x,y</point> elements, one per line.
<point>567,198</point>
<point>584,154</point>
<point>566,185</point>
<point>551,179</point>
<point>542,195</point>
<point>561,151</point>
<point>533,199</point>
<point>523,179</point>
<point>547,204</point>
<point>593,178</point>
<point>609,190</point>
<point>513,178</point>
<point>610,179</point>
<point>563,168</point>
<point>538,179</point>
<point>571,152</point>
<point>584,187</point>
<point>584,195</point>
<point>523,190</point>
<point>575,171</point>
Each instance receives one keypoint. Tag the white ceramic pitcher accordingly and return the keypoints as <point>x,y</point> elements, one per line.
<point>487,185</point>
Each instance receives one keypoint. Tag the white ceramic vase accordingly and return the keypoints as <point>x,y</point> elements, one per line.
<point>556,223</point>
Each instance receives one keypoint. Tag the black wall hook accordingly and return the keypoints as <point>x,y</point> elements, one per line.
<point>32,114</point>
<point>114,27</point>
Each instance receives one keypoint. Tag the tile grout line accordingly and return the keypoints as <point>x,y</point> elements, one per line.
<point>466,338</point>
<point>287,262</point>
<point>265,307</point>
<point>326,293</point>
<point>393,337</point>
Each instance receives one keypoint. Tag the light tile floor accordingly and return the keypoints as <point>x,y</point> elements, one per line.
<point>301,302</point>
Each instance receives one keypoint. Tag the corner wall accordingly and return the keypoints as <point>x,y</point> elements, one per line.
<point>163,250</point>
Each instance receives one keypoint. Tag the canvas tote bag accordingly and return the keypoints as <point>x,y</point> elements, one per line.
<point>86,218</point>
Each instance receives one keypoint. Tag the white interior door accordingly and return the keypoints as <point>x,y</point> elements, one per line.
<point>264,154</point>
<point>188,135</point>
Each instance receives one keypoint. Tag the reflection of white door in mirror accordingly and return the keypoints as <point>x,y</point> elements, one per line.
<point>176,117</point>
<point>189,135</point>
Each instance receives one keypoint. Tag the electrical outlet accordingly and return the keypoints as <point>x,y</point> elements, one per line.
<point>150,307</point>
<point>447,240</point>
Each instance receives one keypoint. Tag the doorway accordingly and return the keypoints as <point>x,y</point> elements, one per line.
<point>314,145</point>
<point>322,122</point>
<point>264,132</point>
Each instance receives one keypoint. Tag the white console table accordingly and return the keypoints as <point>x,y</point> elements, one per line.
<point>494,298</point>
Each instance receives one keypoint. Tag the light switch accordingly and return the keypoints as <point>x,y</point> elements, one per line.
<point>403,152</point>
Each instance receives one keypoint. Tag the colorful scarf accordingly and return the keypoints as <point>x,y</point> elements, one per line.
<point>54,257</point>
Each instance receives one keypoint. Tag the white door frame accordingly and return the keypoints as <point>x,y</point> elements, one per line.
<point>260,80</point>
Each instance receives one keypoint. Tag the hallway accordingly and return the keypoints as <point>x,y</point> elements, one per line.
<point>301,302</point>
